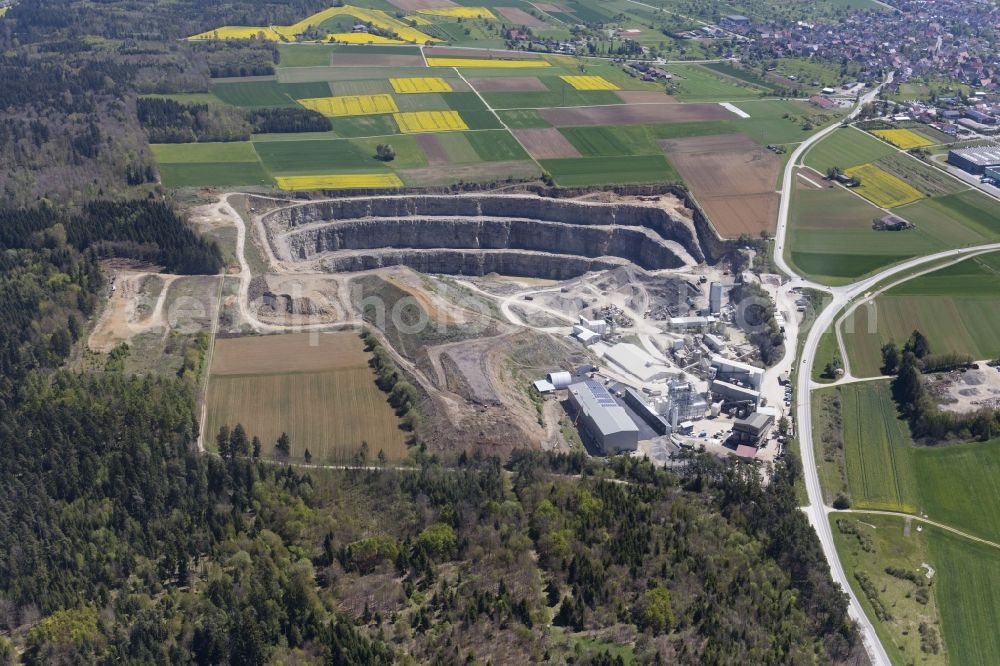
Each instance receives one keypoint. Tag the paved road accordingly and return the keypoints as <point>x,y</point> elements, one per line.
<point>817,511</point>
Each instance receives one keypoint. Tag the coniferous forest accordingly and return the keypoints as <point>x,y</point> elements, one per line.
<point>122,543</point>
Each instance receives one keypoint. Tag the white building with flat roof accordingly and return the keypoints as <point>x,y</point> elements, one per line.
<point>602,419</point>
<point>637,362</point>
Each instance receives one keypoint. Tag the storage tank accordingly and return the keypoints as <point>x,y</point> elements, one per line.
<point>560,380</point>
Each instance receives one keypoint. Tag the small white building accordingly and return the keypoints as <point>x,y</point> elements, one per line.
<point>596,325</point>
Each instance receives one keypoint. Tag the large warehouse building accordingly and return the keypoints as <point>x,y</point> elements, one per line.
<point>605,423</point>
<point>975,160</point>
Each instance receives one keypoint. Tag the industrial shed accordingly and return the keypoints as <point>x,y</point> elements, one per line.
<point>604,422</point>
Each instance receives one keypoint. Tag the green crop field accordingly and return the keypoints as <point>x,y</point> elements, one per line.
<point>956,308</point>
<point>323,395</point>
<point>576,172</point>
<point>954,484</point>
<point>698,83</point>
<point>473,111</point>
<point>301,158</point>
<point>877,449</point>
<point>960,485</point>
<point>495,146</point>
<point>209,164</point>
<point>299,91</point>
<point>207,174</point>
<point>972,210</point>
<point>611,141</point>
<point>845,148</point>
<point>968,591</point>
<point>305,55</point>
<point>251,94</point>
<point>360,126</point>
<point>408,152</point>
<point>832,241</point>
<point>867,543</point>
<point>559,93</point>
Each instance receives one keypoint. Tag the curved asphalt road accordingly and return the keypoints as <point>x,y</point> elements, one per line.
<point>817,511</point>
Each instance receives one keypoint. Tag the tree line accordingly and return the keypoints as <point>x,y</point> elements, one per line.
<point>928,422</point>
<point>170,121</point>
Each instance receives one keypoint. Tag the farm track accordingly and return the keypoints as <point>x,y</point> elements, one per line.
<point>816,510</point>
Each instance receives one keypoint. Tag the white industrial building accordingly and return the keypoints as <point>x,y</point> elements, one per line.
<point>714,342</point>
<point>689,323</point>
<point>729,369</point>
<point>585,335</point>
<point>636,362</point>
<point>682,402</point>
<point>559,380</point>
<point>596,325</point>
<point>601,419</point>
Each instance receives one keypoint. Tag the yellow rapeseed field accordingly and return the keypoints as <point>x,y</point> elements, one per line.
<point>903,138</point>
<point>589,82</point>
<point>418,20</point>
<point>351,105</point>
<point>376,17</point>
<point>460,12</point>
<point>361,38</point>
<point>429,121</point>
<point>422,84</point>
<point>484,62</point>
<point>344,181</point>
<point>882,188</point>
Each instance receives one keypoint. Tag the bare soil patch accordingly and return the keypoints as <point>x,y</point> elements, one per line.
<point>507,84</point>
<point>807,179</point>
<point>546,143</point>
<point>436,155</point>
<point>460,52</point>
<point>644,96</point>
<point>292,352</point>
<point>520,17</point>
<point>375,60</point>
<point>413,5</point>
<point>732,178</point>
<point>635,114</point>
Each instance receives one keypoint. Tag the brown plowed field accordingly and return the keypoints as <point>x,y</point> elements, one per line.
<point>414,5</point>
<point>317,388</point>
<point>374,60</point>
<point>520,17</point>
<point>807,179</point>
<point>293,352</point>
<point>436,155</point>
<point>643,96</point>
<point>507,84</point>
<point>546,143</point>
<point>459,52</point>
<point>635,115</point>
<point>732,178</point>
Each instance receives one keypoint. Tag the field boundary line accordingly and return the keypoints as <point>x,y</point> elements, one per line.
<point>496,115</point>
<point>207,370</point>
<point>871,296</point>
<point>928,521</point>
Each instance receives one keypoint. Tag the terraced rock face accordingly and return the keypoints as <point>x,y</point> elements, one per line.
<point>513,235</point>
